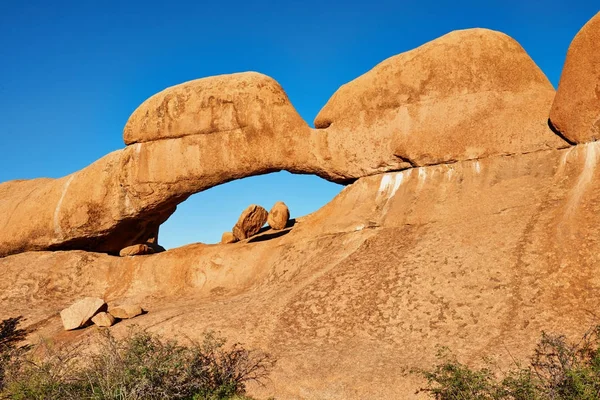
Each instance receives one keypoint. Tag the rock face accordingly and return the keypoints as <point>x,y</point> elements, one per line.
<point>251,220</point>
<point>479,256</point>
<point>469,94</point>
<point>80,313</point>
<point>136,250</point>
<point>278,216</point>
<point>456,246</point>
<point>126,311</point>
<point>228,237</point>
<point>576,109</point>
<point>103,319</point>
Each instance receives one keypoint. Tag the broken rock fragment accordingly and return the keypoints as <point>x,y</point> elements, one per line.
<point>227,238</point>
<point>103,319</point>
<point>80,313</point>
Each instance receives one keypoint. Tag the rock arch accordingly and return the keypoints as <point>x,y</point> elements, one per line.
<point>469,94</point>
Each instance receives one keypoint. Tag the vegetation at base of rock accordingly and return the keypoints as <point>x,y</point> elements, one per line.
<point>139,366</point>
<point>10,336</point>
<point>558,370</point>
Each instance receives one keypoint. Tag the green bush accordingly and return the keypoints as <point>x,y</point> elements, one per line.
<point>557,370</point>
<point>9,337</point>
<point>141,366</point>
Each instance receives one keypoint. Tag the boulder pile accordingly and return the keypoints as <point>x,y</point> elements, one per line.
<point>254,218</point>
<point>94,310</point>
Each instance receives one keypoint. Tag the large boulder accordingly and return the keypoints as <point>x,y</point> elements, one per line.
<point>250,221</point>
<point>469,94</point>
<point>278,216</point>
<point>80,313</point>
<point>576,109</point>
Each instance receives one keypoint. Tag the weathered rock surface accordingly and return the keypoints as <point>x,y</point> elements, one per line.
<point>469,94</point>
<point>576,109</point>
<point>250,221</point>
<point>126,311</point>
<point>81,312</point>
<point>247,104</point>
<point>278,216</point>
<point>103,319</point>
<point>227,238</point>
<point>479,256</point>
<point>136,250</point>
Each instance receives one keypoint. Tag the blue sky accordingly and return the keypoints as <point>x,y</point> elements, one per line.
<point>72,73</point>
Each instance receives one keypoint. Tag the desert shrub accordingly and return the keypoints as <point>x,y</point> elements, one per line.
<point>10,336</point>
<point>558,370</point>
<point>140,366</point>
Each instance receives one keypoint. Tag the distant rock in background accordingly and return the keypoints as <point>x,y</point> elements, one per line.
<point>227,238</point>
<point>136,250</point>
<point>278,216</point>
<point>252,219</point>
<point>81,312</point>
<point>103,319</point>
<point>575,112</point>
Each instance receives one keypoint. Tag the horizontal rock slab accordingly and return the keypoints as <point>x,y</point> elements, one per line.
<point>126,311</point>
<point>136,250</point>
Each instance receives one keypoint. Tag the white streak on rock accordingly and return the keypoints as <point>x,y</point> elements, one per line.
<point>127,203</point>
<point>397,183</point>
<point>564,159</point>
<point>57,228</point>
<point>384,187</point>
<point>591,160</point>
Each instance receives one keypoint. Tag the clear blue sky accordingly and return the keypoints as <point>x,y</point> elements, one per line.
<point>72,73</point>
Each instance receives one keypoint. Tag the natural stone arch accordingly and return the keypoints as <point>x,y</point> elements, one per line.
<point>210,131</point>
